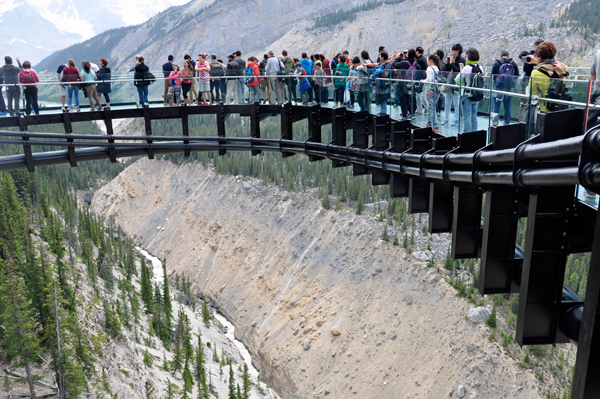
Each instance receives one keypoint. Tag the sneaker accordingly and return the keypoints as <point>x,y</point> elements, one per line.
<point>77,108</point>
<point>67,108</point>
<point>63,108</point>
<point>137,105</point>
<point>428,125</point>
<point>146,105</point>
<point>445,122</point>
<point>395,106</point>
<point>2,112</point>
<point>454,124</point>
<point>436,129</point>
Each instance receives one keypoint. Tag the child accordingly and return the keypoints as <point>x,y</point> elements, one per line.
<point>304,83</point>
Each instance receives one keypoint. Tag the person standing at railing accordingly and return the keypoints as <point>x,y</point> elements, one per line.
<point>320,78</point>
<point>232,72</point>
<point>339,82</point>
<point>2,104</point>
<point>167,68</point>
<point>381,77</point>
<point>471,76</point>
<point>528,66</point>
<point>264,82</point>
<point>253,82</point>
<point>71,77</point>
<point>504,75</point>
<point>362,78</point>
<point>104,85</point>
<point>174,93</point>
<point>546,70</point>
<point>452,68</point>
<point>187,79</point>
<point>28,78</point>
<point>420,93</point>
<point>304,83</point>
<point>142,79</point>
<point>203,69</point>
<point>88,77</point>
<point>273,69</point>
<point>308,67</point>
<point>217,71</point>
<point>432,90</point>
<point>11,79</point>
<point>241,86</point>
<point>595,75</point>
<point>289,65</point>
<point>61,87</point>
<point>192,91</point>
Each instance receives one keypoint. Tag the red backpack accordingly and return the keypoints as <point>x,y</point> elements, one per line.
<point>27,77</point>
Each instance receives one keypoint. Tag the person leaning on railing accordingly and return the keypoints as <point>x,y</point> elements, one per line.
<point>88,77</point>
<point>104,76</point>
<point>28,78</point>
<point>11,77</point>
<point>142,79</point>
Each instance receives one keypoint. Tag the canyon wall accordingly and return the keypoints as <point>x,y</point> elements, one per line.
<point>324,305</point>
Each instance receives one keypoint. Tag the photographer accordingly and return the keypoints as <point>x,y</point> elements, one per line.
<point>452,68</point>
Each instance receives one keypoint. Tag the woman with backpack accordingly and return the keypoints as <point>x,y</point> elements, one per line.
<point>142,79</point>
<point>547,78</point>
<point>28,78</point>
<point>104,76</point>
<point>432,91</point>
<point>71,77</point>
<point>89,78</point>
<point>471,76</point>
<point>504,74</point>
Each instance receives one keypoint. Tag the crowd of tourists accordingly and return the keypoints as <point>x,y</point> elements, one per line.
<point>409,79</point>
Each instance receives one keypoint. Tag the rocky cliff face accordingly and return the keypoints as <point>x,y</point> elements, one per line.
<point>325,307</point>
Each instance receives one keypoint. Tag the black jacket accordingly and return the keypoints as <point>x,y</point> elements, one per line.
<point>528,68</point>
<point>11,73</point>
<point>103,76</point>
<point>142,75</point>
<point>454,66</point>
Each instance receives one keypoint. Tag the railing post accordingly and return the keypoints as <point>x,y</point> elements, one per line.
<point>69,131</point>
<point>26,147</point>
<point>287,129</point>
<point>110,132</point>
<point>184,111</point>
<point>148,125</point>
<point>221,125</point>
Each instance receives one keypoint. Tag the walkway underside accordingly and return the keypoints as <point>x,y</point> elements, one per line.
<point>447,177</point>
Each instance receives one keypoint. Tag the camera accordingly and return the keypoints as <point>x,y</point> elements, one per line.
<point>527,59</point>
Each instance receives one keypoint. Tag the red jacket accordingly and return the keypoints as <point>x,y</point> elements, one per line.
<point>254,81</point>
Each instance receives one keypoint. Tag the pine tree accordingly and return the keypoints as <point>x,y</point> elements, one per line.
<point>246,383</point>
<point>200,369</point>
<point>19,339</point>
<point>232,392</point>
<point>167,306</point>
<point>146,288</point>
<point>177,361</point>
<point>491,321</point>
<point>188,379</point>
<point>239,392</point>
<point>205,314</point>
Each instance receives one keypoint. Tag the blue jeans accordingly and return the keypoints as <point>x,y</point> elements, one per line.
<point>384,107</point>
<point>469,112</point>
<point>143,93</point>
<point>502,99</point>
<point>339,94</point>
<point>362,100</point>
<point>432,99</point>
<point>241,91</point>
<point>73,92</point>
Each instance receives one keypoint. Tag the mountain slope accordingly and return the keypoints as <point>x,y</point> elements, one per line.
<point>255,27</point>
<point>33,29</point>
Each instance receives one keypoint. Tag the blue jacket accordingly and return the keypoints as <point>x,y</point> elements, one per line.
<point>307,65</point>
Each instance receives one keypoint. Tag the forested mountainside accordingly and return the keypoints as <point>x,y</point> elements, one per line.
<point>329,27</point>
<point>82,313</point>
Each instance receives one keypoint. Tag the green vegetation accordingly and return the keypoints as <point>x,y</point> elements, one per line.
<point>584,15</point>
<point>332,19</point>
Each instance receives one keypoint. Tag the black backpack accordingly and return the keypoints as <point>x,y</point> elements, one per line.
<point>476,82</point>
<point>557,91</point>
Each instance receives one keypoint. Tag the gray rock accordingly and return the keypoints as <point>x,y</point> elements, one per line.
<point>333,354</point>
<point>409,301</point>
<point>436,277</point>
<point>394,336</point>
<point>460,391</point>
<point>306,346</point>
<point>473,395</point>
<point>470,348</point>
<point>479,314</point>
<point>494,360</point>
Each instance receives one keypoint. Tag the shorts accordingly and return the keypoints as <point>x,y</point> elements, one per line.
<point>63,90</point>
<point>203,85</point>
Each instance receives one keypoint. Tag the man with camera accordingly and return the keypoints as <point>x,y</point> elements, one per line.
<point>452,67</point>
